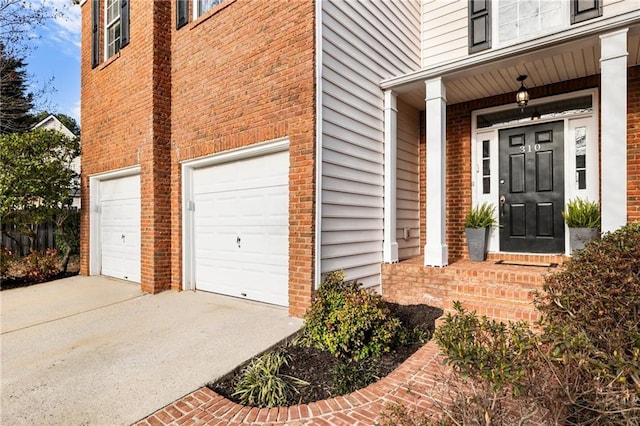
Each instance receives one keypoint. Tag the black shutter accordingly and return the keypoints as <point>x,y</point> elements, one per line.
<point>479,25</point>
<point>124,23</point>
<point>95,33</point>
<point>182,13</point>
<point>582,10</point>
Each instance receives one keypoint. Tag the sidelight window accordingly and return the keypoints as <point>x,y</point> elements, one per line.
<point>581,157</point>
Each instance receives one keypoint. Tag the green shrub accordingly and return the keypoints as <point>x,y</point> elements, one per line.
<point>262,385</point>
<point>591,320</point>
<point>41,267</point>
<point>349,321</point>
<point>480,216</point>
<point>493,351</point>
<point>582,214</point>
<point>68,238</point>
<point>350,376</point>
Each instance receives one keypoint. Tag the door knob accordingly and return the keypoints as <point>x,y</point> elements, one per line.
<point>238,241</point>
<point>503,201</point>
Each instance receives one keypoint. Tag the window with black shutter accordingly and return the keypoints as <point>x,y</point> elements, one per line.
<point>479,25</point>
<point>583,10</point>
<point>182,13</point>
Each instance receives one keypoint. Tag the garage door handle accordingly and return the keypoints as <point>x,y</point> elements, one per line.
<point>238,241</point>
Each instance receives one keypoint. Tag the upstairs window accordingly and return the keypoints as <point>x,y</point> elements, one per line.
<point>582,10</point>
<point>505,22</point>
<point>109,33</point>
<point>203,6</point>
<point>112,27</point>
<point>519,20</point>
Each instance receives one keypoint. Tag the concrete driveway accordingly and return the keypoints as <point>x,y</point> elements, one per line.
<point>97,351</point>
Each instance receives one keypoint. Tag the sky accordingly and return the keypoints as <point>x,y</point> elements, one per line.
<point>55,57</point>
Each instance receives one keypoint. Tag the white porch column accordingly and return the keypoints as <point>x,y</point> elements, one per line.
<point>390,246</point>
<point>613,115</point>
<point>436,252</point>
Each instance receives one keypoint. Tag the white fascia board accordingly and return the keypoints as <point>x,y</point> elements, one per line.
<point>576,32</point>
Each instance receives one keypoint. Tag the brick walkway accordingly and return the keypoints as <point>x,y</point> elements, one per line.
<point>412,383</point>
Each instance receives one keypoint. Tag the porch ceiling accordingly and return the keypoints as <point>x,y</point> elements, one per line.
<point>575,59</point>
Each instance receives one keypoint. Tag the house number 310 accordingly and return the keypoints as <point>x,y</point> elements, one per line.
<point>528,148</point>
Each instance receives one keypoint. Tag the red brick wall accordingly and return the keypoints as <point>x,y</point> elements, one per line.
<point>239,75</point>
<point>122,125</point>
<point>244,74</point>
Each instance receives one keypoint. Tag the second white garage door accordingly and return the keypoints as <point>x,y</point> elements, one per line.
<point>241,228</point>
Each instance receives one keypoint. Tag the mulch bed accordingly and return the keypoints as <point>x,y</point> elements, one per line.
<point>17,277</point>
<point>315,366</point>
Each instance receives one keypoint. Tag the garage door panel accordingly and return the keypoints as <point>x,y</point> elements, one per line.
<point>119,209</point>
<point>254,173</point>
<point>255,244</point>
<point>265,206</point>
<point>256,282</point>
<point>124,188</point>
<point>241,228</point>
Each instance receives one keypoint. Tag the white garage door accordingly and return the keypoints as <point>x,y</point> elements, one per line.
<point>241,228</point>
<point>120,227</point>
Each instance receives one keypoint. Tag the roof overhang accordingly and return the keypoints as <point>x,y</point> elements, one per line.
<point>571,54</point>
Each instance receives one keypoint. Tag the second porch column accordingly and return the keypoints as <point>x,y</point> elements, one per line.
<point>390,246</point>
<point>436,252</point>
<point>613,80</point>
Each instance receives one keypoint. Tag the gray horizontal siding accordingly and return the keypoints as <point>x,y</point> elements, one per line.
<point>362,43</point>
<point>408,181</point>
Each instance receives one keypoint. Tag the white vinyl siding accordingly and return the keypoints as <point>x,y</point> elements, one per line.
<point>444,31</point>
<point>362,43</point>
<point>408,182</point>
<point>617,7</point>
<point>444,27</point>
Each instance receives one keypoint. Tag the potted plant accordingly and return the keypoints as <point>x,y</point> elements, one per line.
<point>583,219</point>
<point>477,223</point>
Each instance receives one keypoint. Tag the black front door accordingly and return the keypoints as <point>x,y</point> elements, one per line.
<point>532,188</point>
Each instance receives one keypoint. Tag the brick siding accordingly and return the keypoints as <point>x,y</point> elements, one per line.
<point>175,95</point>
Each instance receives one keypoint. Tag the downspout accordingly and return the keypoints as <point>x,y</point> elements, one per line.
<point>318,106</point>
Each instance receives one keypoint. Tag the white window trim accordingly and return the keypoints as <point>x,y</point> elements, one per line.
<point>196,9</point>
<point>496,43</point>
<point>108,25</point>
<point>570,123</point>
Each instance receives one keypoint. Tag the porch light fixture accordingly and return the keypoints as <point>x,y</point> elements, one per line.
<point>522,96</point>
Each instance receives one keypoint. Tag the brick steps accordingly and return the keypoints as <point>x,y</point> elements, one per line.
<point>499,290</point>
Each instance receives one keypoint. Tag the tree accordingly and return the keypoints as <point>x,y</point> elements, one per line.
<point>15,101</point>
<point>36,181</point>
<point>19,19</point>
